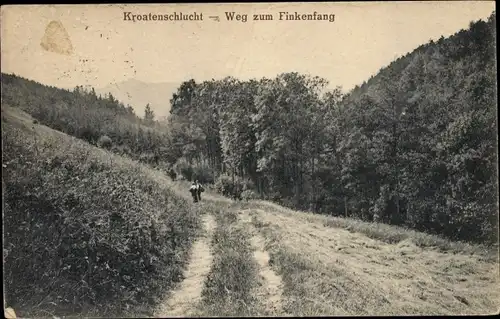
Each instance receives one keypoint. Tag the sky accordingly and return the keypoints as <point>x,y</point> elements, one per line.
<point>101,48</point>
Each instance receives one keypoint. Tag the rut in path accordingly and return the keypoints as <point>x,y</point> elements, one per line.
<point>187,295</point>
<point>270,291</point>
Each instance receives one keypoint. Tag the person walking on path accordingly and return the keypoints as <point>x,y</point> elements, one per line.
<point>196,189</point>
<point>200,190</point>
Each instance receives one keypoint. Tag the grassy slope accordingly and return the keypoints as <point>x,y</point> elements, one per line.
<point>86,231</point>
<point>337,271</point>
<point>386,233</point>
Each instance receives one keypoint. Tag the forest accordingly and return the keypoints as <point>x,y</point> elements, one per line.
<point>415,145</point>
<point>99,120</point>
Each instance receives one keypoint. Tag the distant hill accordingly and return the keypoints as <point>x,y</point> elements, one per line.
<point>469,49</point>
<point>138,94</point>
<point>82,114</point>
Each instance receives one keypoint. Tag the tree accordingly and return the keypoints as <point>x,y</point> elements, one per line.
<point>149,115</point>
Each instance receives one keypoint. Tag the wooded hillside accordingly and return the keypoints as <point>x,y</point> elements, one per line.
<point>99,120</point>
<point>415,145</point>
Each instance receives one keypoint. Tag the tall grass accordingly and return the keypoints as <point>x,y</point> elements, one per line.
<point>231,282</point>
<point>85,232</point>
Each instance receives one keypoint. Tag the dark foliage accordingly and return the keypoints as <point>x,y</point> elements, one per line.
<point>83,114</point>
<point>415,145</point>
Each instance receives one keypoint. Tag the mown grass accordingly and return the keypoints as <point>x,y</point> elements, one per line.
<point>391,234</point>
<point>86,232</point>
<point>337,273</point>
<point>229,287</point>
<point>300,278</point>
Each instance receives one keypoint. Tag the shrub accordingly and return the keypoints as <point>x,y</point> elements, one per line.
<point>203,173</point>
<point>148,158</point>
<point>184,169</point>
<point>172,174</point>
<point>105,142</point>
<point>249,195</point>
<point>232,187</point>
<point>123,150</point>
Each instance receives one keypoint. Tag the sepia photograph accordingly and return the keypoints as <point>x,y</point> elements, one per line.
<point>272,159</point>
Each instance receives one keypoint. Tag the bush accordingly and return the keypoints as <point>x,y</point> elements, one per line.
<point>232,187</point>
<point>172,174</point>
<point>148,158</point>
<point>123,150</point>
<point>184,169</point>
<point>202,173</point>
<point>105,142</point>
<point>249,195</point>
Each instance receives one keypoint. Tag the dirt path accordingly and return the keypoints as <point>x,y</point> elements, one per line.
<point>381,278</point>
<point>270,290</point>
<point>182,300</point>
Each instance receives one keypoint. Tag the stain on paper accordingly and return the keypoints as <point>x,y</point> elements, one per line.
<point>56,39</point>
<point>9,313</point>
